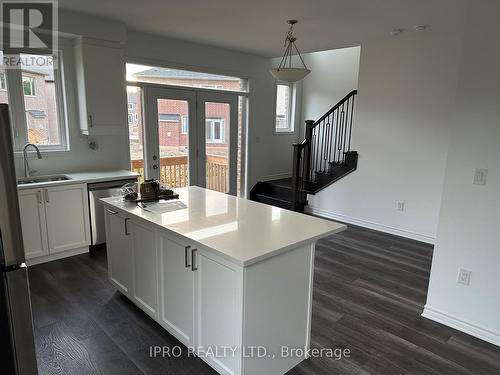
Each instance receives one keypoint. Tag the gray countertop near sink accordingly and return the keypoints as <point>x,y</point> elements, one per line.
<point>75,178</point>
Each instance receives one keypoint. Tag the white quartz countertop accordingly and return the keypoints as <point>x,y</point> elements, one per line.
<point>241,230</point>
<point>83,177</point>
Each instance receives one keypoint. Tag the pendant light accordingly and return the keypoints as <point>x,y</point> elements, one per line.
<point>285,72</point>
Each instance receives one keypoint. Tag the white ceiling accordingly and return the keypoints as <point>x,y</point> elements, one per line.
<point>258,26</point>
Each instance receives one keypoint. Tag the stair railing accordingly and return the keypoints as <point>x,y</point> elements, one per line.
<point>326,142</point>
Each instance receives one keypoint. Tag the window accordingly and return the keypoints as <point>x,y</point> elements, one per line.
<point>176,77</point>
<point>184,125</point>
<point>283,120</point>
<point>3,84</point>
<point>215,130</point>
<point>43,104</point>
<point>29,86</point>
<point>40,117</point>
<point>131,107</point>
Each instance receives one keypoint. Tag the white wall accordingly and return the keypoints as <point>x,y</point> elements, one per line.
<point>406,86</point>
<point>268,154</point>
<point>468,234</point>
<point>333,75</point>
<point>112,151</point>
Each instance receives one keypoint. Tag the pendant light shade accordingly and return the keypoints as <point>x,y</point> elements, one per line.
<point>285,71</point>
<point>289,74</point>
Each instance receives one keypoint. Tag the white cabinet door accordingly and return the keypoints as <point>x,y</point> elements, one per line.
<point>218,307</point>
<point>102,106</point>
<point>118,251</point>
<point>33,223</point>
<point>67,211</point>
<point>144,263</point>
<point>176,290</point>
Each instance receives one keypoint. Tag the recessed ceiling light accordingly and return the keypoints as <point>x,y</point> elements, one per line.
<point>396,32</point>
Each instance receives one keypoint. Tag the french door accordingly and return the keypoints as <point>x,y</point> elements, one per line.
<point>191,138</point>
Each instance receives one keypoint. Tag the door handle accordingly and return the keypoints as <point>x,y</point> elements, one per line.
<point>194,266</point>
<point>39,195</point>
<point>186,256</point>
<point>47,197</point>
<point>155,166</point>
<point>127,233</point>
<point>111,211</point>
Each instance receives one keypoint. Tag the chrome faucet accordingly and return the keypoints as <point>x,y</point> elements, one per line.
<point>27,172</point>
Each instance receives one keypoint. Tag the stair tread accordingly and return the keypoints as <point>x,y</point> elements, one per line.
<point>263,195</point>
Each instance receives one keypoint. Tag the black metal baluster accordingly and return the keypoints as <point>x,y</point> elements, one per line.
<point>344,141</point>
<point>328,144</point>
<point>350,127</point>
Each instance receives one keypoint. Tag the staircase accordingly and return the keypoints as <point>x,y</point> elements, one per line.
<point>322,158</point>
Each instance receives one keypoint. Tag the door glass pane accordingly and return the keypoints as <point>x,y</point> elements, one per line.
<point>217,125</point>
<point>173,129</point>
<point>134,105</point>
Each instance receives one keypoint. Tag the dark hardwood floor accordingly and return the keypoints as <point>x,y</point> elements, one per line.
<point>370,289</point>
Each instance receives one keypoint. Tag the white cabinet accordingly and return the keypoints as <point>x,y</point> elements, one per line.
<point>144,262</point>
<point>218,308</point>
<point>33,223</point>
<point>199,294</point>
<point>102,107</point>
<point>67,212</point>
<point>54,220</point>
<point>118,251</point>
<point>176,286</point>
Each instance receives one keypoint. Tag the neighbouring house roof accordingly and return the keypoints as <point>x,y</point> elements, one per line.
<point>46,72</point>
<point>37,113</point>
<point>173,73</point>
<point>168,117</point>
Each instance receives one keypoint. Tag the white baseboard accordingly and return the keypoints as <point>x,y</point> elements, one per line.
<point>371,225</point>
<point>56,256</point>
<point>462,325</point>
<point>276,176</point>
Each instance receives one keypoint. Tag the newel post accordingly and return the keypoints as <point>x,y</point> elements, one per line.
<point>307,149</point>
<point>296,175</point>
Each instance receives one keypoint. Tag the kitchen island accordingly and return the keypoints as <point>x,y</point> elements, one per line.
<point>230,278</point>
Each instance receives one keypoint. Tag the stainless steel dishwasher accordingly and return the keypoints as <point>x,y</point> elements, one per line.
<point>96,191</point>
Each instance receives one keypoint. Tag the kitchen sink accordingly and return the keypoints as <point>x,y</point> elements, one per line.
<point>41,179</point>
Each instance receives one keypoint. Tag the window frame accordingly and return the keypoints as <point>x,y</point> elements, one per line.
<point>3,81</point>
<point>17,107</point>
<point>31,80</point>
<point>291,128</point>
<point>184,122</point>
<point>212,121</point>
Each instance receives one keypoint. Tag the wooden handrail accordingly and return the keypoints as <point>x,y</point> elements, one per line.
<point>336,106</point>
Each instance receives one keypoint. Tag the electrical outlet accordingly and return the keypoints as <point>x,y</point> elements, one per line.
<point>400,206</point>
<point>463,276</point>
<point>480,175</point>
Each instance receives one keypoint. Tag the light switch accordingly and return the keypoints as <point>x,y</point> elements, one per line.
<point>480,175</point>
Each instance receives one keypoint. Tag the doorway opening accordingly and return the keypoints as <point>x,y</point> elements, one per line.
<point>187,128</point>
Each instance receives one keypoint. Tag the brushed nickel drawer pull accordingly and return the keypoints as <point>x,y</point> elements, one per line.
<point>186,256</point>
<point>194,266</point>
<point>127,233</point>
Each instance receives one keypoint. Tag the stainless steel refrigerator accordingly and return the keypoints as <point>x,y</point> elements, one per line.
<point>17,348</point>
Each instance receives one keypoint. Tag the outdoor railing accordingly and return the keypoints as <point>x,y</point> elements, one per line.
<point>174,171</point>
